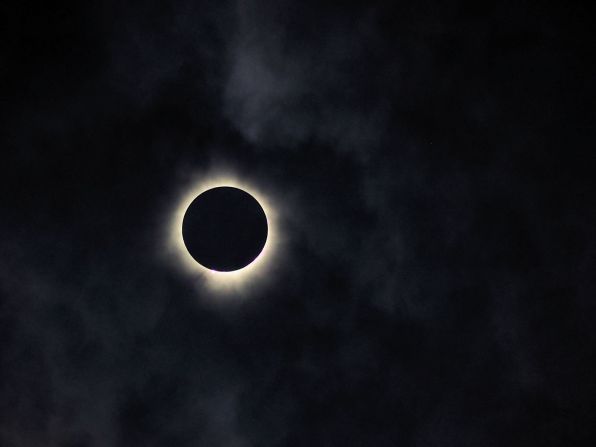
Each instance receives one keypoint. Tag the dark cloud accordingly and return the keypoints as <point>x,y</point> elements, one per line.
<point>433,167</point>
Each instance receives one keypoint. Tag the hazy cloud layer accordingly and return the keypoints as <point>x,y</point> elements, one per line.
<point>437,284</point>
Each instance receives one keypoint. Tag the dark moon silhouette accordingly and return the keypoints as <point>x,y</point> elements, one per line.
<point>224,229</point>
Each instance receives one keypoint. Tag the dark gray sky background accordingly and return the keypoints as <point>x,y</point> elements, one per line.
<point>436,167</point>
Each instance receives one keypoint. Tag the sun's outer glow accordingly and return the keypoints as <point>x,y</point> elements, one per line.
<point>238,280</point>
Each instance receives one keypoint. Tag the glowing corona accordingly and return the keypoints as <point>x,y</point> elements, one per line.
<point>243,280</point>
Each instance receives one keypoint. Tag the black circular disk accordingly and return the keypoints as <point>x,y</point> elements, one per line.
<point>224,229</point>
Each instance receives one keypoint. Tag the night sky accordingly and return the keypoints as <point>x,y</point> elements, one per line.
<point>434,171</point>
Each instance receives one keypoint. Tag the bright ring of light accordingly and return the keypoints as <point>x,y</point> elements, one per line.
<point>238,280</point>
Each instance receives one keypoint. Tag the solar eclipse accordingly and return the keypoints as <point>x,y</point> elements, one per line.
<point>224,229</point>
<point>225,234</point>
